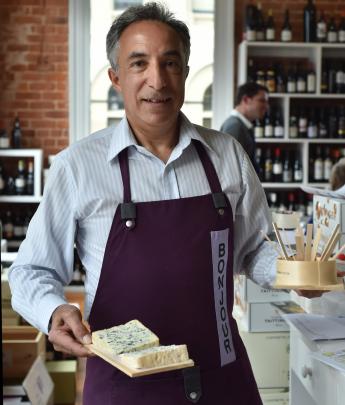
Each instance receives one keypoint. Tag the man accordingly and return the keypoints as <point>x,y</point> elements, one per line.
<point>162,213</point>
<point>251,104</point>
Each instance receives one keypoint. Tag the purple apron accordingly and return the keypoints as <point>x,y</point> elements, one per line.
<point>169,264</point>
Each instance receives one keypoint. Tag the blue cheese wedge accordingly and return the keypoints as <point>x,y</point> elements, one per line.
<point>129,337</point>
<point>155,356</point>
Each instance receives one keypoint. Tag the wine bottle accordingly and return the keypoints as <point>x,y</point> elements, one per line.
<point>268,126</point>
<point>280,80</point>
<point>331,78</point>
<point>278,128</point>
<point>286,33</point>
<point>327,165</point>
<point>10,186</point>
<point>2,180</point>
<point>277,166</point>
<point>297,170</point>
<point>260,77</point>
<point>322,127</point>
<point>301,81</point>
<point>260,24</point>
<point>287,168</point>
<point>341,122</point>
<point>271,80</point>
<point>291,206</point>
<point>321,29</point>
<point>250,21</point>
<point>259,163</point>
<point>251,74</point>
<point>20,180</point>
<point>273,200</point>
<point>293,128</point>
<point>332,34</point>
<point>324,77</point>
<point>16,134</point>
<point>332,123</point>
<point>18,227</point>
<point>312,125</point>
<point>311,81</point>
<point>291,81</point>
<point>268,166</point>
<point>270,27</point>
<point>309,22</point>
<point>258,128</point>
<point>318,165</point>
<point>302,124</point>
<point>341,29</point>
<point>30,179</point>
<point>340,78</point>
<point>4,139</point>
<point>8,227</point>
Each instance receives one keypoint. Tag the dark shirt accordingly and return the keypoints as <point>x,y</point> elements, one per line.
<point>236,128</point>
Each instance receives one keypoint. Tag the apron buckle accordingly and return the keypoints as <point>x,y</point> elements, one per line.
<point>128,214</point>
<point>219,202</point>
<point>192,383</point>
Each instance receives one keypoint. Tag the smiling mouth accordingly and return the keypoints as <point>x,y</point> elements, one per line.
<point>157,100</point>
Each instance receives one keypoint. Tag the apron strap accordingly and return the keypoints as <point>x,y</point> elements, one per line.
<point>128,209</point>
<point>218,196</point>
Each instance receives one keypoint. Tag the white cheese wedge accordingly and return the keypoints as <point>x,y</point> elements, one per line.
<point>129,337</point>
<point>156,356</point>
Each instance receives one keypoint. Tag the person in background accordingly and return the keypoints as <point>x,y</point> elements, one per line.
<point>251,103</point>
<point>162,213</point>
<point>337,178</point>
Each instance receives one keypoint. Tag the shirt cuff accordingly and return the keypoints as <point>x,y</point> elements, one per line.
<point>47,306</point>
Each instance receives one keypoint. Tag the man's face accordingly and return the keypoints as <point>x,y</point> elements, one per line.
<point>257,106</point>
<point>151,74</point>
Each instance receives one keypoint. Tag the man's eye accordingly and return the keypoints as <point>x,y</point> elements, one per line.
<point>138,64</point>
<point>173,65</point>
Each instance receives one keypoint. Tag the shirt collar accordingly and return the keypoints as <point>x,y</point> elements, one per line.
<point>245,120</point>
<point>123,137</point>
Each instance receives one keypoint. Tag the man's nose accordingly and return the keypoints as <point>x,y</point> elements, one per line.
<point>156,77</point>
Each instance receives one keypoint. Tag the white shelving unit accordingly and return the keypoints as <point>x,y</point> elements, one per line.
<point>37,156</point>
<point>314,53</point>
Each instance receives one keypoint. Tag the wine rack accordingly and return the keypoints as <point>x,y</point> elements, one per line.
<point>307,54</point>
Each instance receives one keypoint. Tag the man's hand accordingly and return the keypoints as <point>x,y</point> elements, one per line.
<point>68,334</point>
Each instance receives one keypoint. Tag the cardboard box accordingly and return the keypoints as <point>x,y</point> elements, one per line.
<point>36,389</point>
<point>260,317</point>
<point>274,397</point>
<point>63,374</point>
<point>327,213</point>
<point>21,346</point>
<point>245,290</point>
<point>269,356</point>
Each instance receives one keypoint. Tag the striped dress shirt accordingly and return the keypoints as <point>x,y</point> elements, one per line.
<point>84,188</point>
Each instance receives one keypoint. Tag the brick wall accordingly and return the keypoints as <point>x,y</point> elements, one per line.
<point>34,71</point>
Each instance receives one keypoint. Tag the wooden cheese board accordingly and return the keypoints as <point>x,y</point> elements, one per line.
<point>330,287</point>
<point>136,372</point>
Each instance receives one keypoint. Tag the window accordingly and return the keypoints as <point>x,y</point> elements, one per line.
<point>122,4</point>
<point>115,100</point>
<point>207,101</point>
<point>203,6</point>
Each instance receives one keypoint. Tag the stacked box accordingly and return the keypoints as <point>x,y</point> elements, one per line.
<point>21,346</point>
<point>63,374</point>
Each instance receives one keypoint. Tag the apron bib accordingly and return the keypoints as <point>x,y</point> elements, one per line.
<point>169,265</point>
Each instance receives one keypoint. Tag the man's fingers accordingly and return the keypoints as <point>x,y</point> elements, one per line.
<point>64,341</point>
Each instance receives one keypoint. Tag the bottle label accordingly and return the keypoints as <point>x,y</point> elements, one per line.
<point>287,176</point>
<point>251,35</point>
<point>301,86</point>
<point>332,36</point>
<point>341,36</point>
<point>19,183</point>
<point>298,175</point>
<point>321,31</point>
<point>311,83</point>
<point>340,77</point>
<point>291,87</point>
<point>312,131</point>
<point>268,131</point>
<point>4,142</point>
<point>286,36</point>
<point>293,132</point>
<point>277,168</point>
<point>8,230</point>
<point>258,132</point>
<point>302,124</point>
<point>327,169</point>
<point>260,35</point>
<point>18,231</point>
<point>278,131</point>
<point>270,34</point>
<point>318,170</point>
<point>2,183</point>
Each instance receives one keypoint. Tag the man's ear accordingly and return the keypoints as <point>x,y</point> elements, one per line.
<point>187,71</point>
<point>114,78</point>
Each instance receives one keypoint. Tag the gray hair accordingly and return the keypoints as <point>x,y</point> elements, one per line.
<point>149,11</point>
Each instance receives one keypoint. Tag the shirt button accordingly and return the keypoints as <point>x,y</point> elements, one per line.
<point>193,395</point>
